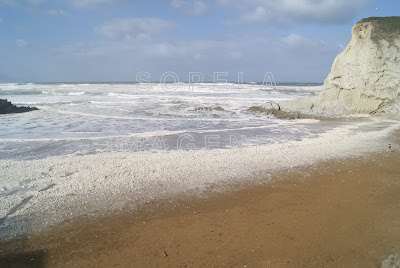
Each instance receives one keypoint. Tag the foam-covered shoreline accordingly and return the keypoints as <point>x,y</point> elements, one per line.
<point>44,192</point>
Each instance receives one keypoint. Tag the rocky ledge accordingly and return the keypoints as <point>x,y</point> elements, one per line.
<point>7,107</point>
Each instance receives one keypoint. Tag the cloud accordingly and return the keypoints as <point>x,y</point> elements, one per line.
<point>74,3</point>
<point>294,11</point>
<point>290,58</point>
<point>92,3</point>
<point>57,13</point>
<point>8,2</point>
<point>130,29</point>
<point>15,3</point>
<point>194,8</point>
<point>21,43</point>
<point>35,2</point>
<point>295,40</point>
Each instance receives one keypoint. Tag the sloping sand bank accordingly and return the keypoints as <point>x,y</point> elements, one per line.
<point>335,214</point>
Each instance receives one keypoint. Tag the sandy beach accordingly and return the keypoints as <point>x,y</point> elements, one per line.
<point>339,213</point>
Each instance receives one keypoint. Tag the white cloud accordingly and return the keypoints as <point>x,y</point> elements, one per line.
<point>259,14</point>
<point>14,3</point>
<point>21,43</point>
<point>36,2</point>
<point>295,39</point>
<point>142,29</point>
<point>91,3</point>
<point>194,8</point>
<point>290,58</point>
<point>8,2</point>
<point>295,11</point>
<point>74,3</point>
<point>57,13</point>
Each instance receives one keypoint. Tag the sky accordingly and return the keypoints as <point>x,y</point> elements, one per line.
<point>114,40</point>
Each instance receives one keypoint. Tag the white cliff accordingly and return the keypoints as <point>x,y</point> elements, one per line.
<point>365,77</point>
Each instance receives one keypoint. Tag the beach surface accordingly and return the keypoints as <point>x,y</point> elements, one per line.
<point>336,213</point>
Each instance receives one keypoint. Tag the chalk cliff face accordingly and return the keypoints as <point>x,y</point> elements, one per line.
<point>365,77</point>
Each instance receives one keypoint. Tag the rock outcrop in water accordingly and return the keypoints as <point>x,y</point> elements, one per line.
<point>7,107</point>
<point>365,77</point>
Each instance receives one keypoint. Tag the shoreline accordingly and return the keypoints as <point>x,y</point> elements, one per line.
<point>340,213</point>
<point>42,193</point>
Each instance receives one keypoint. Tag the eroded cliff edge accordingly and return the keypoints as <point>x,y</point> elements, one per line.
<point>365,77</point>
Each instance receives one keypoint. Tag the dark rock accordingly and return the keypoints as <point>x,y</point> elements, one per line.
<point>7,107</point>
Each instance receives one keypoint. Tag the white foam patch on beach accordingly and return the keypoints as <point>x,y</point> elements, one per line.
<point>36,194</point>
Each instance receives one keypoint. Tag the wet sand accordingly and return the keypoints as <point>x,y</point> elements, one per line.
<point>343,213</point>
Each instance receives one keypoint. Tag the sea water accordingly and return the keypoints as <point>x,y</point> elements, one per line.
<point>89,118</point>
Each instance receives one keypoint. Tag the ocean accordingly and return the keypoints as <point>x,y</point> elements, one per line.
<point>89,118</point>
